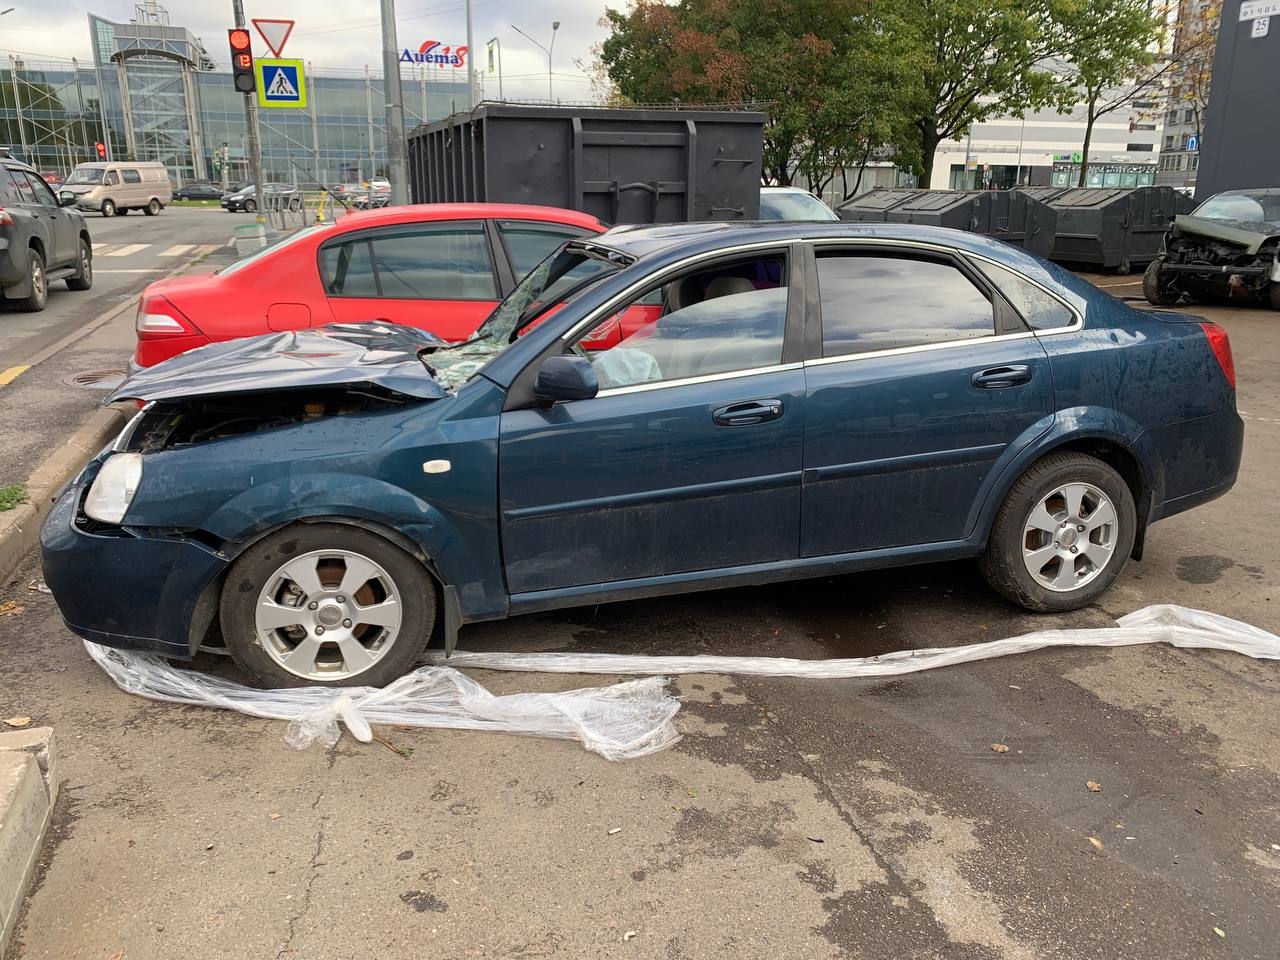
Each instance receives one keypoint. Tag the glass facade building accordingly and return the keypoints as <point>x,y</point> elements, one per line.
<point>153,92</point>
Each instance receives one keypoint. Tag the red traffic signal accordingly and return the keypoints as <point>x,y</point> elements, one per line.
<point>101,148</point>
<point>241,60</point>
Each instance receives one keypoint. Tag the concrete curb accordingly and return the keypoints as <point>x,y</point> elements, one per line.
<point>28,791</point>
<point>20,527</point>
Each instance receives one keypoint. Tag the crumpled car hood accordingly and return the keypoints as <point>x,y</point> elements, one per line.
<point>340,354</point>
<point>1252,235</point>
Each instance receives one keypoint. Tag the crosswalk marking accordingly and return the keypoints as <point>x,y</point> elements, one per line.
<point>126,250</point>
<point>177,250</point>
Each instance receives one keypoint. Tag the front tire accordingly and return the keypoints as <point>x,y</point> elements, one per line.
<point>1156,288</point>
<point>35,301</point>
<point>108,208</point>
<point>250,207</point>
<point>326,604</point>
<point>1062,535</point>
<point>1273,295</point>
<point>83,278</point>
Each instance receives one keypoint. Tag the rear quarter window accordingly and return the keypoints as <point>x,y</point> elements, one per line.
<point>1040,309</point>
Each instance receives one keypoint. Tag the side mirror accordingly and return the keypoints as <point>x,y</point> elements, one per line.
<point>565,378</point>
<point>66,199</point>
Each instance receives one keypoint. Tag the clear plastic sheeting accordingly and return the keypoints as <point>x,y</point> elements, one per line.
<point>1161,623</point>
<point>621,721</point>
<point>625,720</point>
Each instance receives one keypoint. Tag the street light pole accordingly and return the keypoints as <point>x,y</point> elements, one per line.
<point>393,98</point>
<point>555,25</point>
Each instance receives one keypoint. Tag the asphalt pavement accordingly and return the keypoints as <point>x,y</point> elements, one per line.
<point>49,400</point>
<point>797,819</point>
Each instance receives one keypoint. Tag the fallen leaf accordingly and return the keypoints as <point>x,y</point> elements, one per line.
<point>1000,748</point>
<point>1096,842</point>
<point>10,608</point>
<point>275,816</point>
<point>18,721</point>
<point>1218,932</point>
<point>1094,786</point>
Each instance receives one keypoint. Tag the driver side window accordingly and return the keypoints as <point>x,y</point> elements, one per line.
<point>718,319</point>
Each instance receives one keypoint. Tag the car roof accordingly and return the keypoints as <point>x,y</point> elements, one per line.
<point>691,238</point>
<point>418,212</point>
<point>785,190</point>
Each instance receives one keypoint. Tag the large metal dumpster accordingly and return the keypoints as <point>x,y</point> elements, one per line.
<point>1115,229</point>
<point>874,206</point>
<point>622,166</point>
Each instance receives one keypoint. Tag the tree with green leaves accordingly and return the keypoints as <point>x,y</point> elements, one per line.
<point>1110,70</point>
<point>827,73</point>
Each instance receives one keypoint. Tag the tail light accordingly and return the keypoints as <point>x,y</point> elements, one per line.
<point>1220,344</point>
<point>157,317</point>
<point>6,218</point>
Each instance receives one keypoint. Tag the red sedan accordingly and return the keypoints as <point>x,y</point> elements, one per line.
<point>442,267</point>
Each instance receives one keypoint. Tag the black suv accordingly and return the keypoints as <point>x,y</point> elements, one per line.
<point>41,240</point>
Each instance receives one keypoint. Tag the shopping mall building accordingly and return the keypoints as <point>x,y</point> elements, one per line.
<point>154,92</point>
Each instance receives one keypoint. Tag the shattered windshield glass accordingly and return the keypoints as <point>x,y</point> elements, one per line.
<point>1259,206</point>
<point>558,280</point>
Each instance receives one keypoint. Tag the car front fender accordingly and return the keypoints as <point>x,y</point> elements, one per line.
<point>467,563</point>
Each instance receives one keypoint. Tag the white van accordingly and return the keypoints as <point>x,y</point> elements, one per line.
<point>115,188</point>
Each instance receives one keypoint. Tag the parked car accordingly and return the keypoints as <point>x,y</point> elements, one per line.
<point>380,185</point>
<point>198,191</point>
<point>442,267</point>
<point>245,199</point>
<point>807,399</point>
<point>52,177</point>
<point>792,203</point>
<point>42,239</point>
<point>1229,247</point>
<point>116,188</point>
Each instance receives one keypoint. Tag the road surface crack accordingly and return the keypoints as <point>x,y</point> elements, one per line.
<point>314,868</point>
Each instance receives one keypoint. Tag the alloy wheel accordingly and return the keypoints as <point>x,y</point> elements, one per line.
<point>328,614</point>
<point>1069,537</point>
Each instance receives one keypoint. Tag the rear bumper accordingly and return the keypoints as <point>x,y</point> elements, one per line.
<point>150,352</point>
<point>131,592</point>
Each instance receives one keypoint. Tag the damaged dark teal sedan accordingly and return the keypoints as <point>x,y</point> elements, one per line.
<point>651,411</point>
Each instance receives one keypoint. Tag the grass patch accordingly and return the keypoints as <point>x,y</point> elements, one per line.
<point>196,203</point>
<point>12,495</point>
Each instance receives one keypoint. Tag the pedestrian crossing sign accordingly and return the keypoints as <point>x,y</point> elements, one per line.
<point>281,83</point>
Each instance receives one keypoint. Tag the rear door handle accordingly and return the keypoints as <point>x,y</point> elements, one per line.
<point>748,412</point>
<point>995,378</point>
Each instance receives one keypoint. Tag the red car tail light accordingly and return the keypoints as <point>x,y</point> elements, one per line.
<point>1220,344</point>
<point>6,218</point>
<point>157,317</point>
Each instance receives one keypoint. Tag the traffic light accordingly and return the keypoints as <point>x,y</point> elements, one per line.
<point>102,150</point>
<point>241,60</point>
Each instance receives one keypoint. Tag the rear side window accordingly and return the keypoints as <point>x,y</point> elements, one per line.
<point>874,302</point>
<point>435,262</point>
<point>1038,308</point>
<point>347,269</point>
<point>22,186</point>
<point>131,176</point>
<point>530,242</point>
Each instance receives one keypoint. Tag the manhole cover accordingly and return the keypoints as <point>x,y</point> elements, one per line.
<point>96,379</point>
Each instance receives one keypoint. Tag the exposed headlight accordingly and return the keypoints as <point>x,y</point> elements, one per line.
<point>114,487</point>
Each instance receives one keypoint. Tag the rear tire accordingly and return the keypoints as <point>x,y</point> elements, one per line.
<point>35,301</point>
<point>121,211</point>
<point>108,208</point>
<point>1156,288</point>
<point>285,601</point>
<point>83,278</point>
<point>1070,519</point>
<point>152,208</point>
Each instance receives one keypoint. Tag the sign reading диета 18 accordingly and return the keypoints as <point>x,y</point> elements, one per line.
<point>281,83</point>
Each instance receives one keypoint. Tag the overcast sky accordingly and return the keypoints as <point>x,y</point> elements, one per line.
<point>346,34</point>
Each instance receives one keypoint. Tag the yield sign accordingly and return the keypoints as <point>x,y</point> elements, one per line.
<point>275,32</point>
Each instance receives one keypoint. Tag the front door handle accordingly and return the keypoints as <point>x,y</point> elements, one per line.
<point>748,412</point>
<point>995,378</point>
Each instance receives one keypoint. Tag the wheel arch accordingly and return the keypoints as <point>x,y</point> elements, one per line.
<point>1111,438</point>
